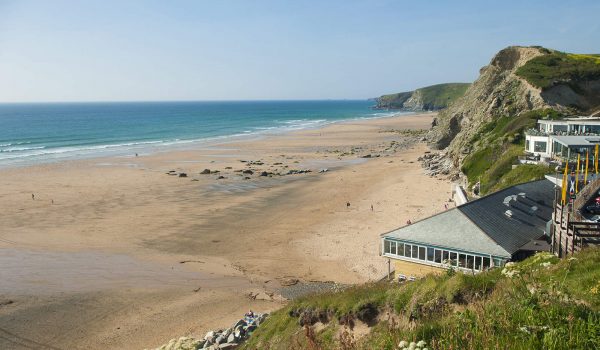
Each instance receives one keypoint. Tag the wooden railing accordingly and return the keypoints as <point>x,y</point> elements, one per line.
<point>590,190</point>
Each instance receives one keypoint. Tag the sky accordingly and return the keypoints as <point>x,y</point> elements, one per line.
<point>261,50</point>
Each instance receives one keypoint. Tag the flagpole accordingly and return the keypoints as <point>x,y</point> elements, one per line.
<point>564,184</point>
<point>577,175</point>
<point>596,160</point>
<point>587,157</point>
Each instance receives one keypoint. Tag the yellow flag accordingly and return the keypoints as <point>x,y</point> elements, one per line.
<point>596,159</point>
<point>587,156</point>
<point>564,184</point>
<point>577,175</point>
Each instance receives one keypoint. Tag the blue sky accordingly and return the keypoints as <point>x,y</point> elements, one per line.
<point>222,50</point>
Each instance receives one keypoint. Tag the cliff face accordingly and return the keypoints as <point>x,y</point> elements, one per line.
<point>500,91</point>
<point>430,98</point>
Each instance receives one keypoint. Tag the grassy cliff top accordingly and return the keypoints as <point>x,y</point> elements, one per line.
<point>541,303</point>
<point>431,97</point>
<point>555,67</point>
<point>443,94</point>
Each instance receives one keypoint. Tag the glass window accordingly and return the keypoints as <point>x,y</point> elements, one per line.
<point>415,252</point>
<point>527,145</point>
<point>539,146</point>
<point>400,249</point>
<point>407,250</point>
<point>438,256</point>
<point>486,263</point>
<point>422,253</point>
<point>462,260</point>
<point>454,258</point>
<point>430,254</point>
<point>393,248</point>
<point>470,261</point>
<point>478,263</point>
<point>498,262</point>
<point>445,256</point>
<point>386,246</point>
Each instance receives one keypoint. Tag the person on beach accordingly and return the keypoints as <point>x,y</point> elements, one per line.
<point>446,206</point>
<point>371,207</point>
<point>347,204</point>
<point>32,196</point>
<point>408,222</point>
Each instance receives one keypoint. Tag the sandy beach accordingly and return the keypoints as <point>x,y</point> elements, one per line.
<point>126,253</point>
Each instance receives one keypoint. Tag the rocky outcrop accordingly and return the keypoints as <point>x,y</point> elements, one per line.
<point>229,338</point>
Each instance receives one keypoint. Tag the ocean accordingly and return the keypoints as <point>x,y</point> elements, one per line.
<point>48,132</point>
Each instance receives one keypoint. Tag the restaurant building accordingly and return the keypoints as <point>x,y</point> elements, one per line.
<point>508,225</point>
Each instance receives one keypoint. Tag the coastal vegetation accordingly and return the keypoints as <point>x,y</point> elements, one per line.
<point>556,67</point>
<point>498,145</point>
<point>542,302</point>
<point>429,98</point>
<point>482,133</point>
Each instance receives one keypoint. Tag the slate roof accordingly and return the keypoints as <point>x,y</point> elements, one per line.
<point>483,225</point>
<point>449,229</point>
<point>525,223</point>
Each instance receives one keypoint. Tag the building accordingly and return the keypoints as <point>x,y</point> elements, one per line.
<point>511,224</point>
<point>564,138</point>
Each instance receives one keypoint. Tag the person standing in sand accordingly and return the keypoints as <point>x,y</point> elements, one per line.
<point>32,197</point>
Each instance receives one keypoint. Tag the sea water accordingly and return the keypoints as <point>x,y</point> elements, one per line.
<point>46,132</point>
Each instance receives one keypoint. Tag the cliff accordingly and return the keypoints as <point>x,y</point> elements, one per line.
<point>518,80</point>
<point>481,133</point>
<point>430,98</point>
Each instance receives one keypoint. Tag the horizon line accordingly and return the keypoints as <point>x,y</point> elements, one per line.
<point>170,101</point>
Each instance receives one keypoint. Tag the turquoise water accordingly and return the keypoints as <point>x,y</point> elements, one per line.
<point>46,132</point>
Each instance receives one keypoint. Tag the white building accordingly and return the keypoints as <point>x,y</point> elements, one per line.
<point>563,138</point>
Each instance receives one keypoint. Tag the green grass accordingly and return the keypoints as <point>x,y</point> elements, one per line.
<point>547,304</point>
<point>434,97</point>
<point>521,174</point>
<point>559,67</point>
<point>498,145</point>
<point>442,95</point>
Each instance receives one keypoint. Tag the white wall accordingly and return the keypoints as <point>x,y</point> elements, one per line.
<point>533,139</point>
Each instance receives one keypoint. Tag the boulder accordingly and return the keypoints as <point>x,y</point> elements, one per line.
<point>182,175</point>
<point>264,173</point>
<point>221,177</point>
<point>248,171</point>
<point>231,338</point>
<point>205,172</point>
<point>239,323</point>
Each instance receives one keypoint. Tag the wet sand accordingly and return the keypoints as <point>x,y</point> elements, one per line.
<point>116,253</point>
